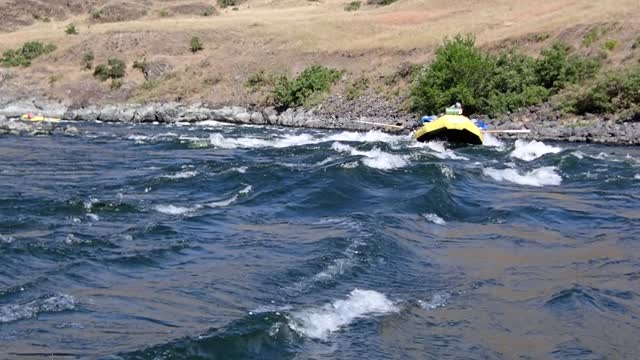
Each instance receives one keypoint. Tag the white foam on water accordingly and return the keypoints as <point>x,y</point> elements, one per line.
<point>219,141</point>
<point>181,175</point>
<point>240,169</point>
<point>56,303</point>
<point>441,152</point>
<point>434,219</point>
<point>319,323</point>
<point>211,123</point>
<point>637,177</point>
<point>93,217</point>
<point>176,210</point>
<point>336,268</point>
<point>246,190</point>
<point>530,150</point>
<point>370,136</point>
<point>288,140</point>
<point>374,158</point>
<point>579,154</point>
<point>492,141</point>
<point>325,161</point>
<point>538,177</point>
<point>88,205</point>
<point>7,239</point>
<point>222,203</point>
<point>438,300</point>
<point>350,165</point>
<point>446,171</point>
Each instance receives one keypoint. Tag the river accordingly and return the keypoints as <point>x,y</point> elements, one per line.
<point>216,241</point>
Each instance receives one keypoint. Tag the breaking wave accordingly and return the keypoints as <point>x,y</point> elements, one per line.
<point>319,323</point>
<point>55,303</point>
<point>374,158</point>
<point>538,177</point>
<point>532,150</point>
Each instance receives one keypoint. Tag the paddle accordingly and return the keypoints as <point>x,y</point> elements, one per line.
<point>515,131</point>
<point>380,124</point>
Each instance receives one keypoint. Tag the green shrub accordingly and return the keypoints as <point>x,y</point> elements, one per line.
<point>87,60</point>
<point>116,84</point>
<point>227,3</point>
<point>306,89</point>
<point>140,65</point>
<point>459,72</point>
<point>24,55</point>
<point>612,91</point>
<point>514,83</point>
<point>357,88</point>
<point>380,2</point>
<point>196,45</point>
<point>557,68</point>
<point>494,84</point>
<point>164,13</point>
<point>636,44</point>
<point>610,45</point>
<point>353,6</point>
<point>71,29</point>
<point>113,69</point>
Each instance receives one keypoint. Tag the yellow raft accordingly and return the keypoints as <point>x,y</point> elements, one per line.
<point>28,117</point>
<point>452,128</point>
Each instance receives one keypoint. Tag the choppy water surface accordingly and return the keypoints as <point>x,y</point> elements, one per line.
<point>222,242</point>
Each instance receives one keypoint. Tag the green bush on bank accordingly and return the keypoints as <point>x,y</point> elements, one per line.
<point>306,89</point>
<point>113,69</point>
<point>611,92</point>
<point>24,55</point>
<point>353,6</point>
<point>493,84</point>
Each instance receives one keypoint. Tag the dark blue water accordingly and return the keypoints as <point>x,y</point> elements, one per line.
<point>225,242</point>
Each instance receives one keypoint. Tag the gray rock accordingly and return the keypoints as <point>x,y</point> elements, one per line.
<point>155,69</point>
<point>257,118</point>
<point>242,117</point>
<point>71,130</point>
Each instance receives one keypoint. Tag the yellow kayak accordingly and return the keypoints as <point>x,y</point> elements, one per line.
<point>452,128</point>
<point>28,117</point>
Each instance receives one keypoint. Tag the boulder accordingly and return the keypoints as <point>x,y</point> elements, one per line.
<point>155,69</point>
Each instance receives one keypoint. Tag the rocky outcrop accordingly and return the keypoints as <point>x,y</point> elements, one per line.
<point>155,69</point>
<point>13,109</point>
<point>17,127</point>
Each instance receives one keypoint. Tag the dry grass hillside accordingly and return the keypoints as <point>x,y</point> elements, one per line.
<point>280,36</point>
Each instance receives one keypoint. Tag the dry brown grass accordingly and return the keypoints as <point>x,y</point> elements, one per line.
<point>287,35</point>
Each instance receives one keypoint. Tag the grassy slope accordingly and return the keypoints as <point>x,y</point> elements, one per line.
<point>287,35</point>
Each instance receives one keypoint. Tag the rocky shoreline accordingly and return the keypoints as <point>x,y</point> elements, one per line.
<point>544,123</point>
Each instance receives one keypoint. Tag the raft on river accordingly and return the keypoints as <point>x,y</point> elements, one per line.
<point>30,117</point>
<point>451,128</point>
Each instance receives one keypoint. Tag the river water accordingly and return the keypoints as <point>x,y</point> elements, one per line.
<point>213,241</point>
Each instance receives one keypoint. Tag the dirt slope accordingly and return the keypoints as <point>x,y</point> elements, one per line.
<point>283,36</point>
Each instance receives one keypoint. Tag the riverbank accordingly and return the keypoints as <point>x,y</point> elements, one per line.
<point>544,122</point>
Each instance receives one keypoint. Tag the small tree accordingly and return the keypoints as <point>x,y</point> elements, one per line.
<point>71,29</point>
<point>459,72</point>
<point>196,45</point>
